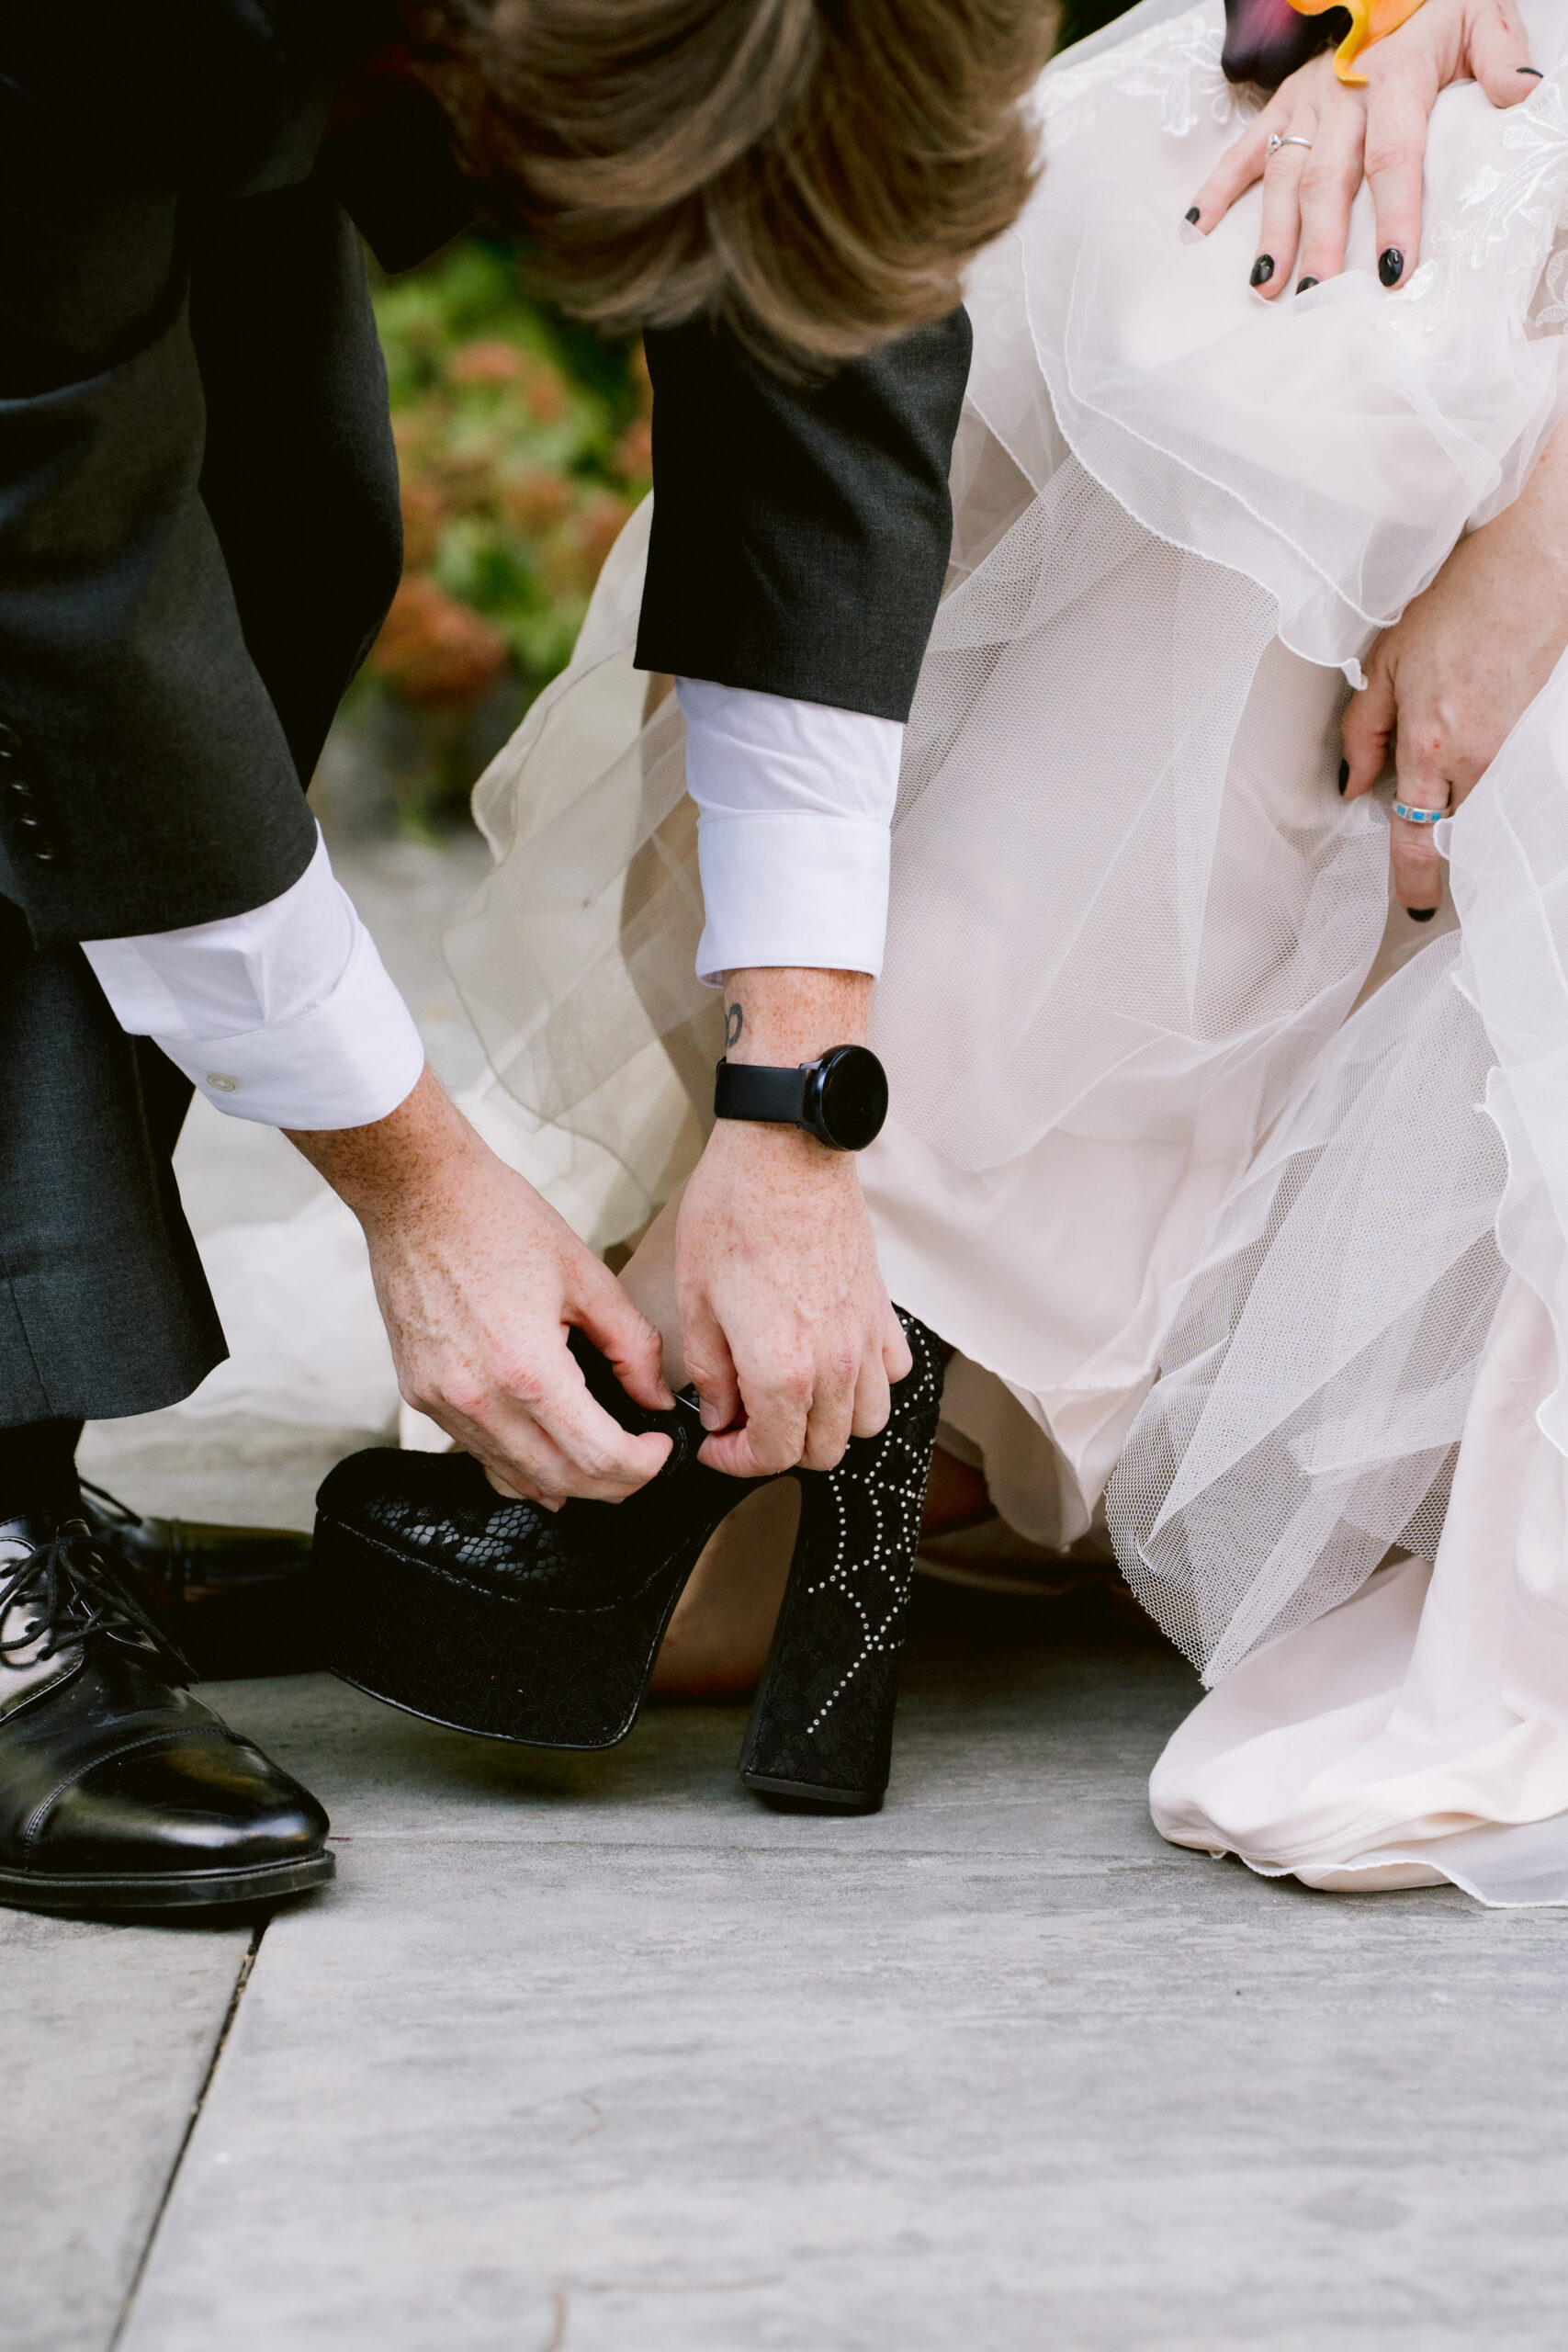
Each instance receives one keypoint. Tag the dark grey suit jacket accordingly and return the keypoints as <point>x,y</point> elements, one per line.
<point>198,514</point>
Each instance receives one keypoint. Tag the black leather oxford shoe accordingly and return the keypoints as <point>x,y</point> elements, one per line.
<point>233,1599</point>
<point>120,1791</point>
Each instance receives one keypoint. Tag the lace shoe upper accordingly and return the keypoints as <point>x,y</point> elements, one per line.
<point>442,1509</point>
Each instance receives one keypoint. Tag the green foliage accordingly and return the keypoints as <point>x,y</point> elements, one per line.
<point>1081,18</point>
<point>524,443</point>
<point>473,289</point>
<point>522,446</point>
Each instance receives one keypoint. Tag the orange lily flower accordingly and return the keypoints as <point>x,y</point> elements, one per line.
<point>1369,20</point>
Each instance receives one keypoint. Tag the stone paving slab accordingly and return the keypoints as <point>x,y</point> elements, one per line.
<point>694,2100</point>
<point>105,2037</point>
<point>595,2055</point>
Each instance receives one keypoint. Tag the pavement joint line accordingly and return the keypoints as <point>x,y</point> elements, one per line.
<point>230,2014</point>
<point>1095,1866</point>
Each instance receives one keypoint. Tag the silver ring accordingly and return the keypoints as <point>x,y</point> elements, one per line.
<point>1418,816</point>
<point>1276,142</point>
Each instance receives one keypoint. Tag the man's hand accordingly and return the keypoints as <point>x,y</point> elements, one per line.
<point>787,1329</point>
<point>1377,133</point>
<point>480,1282</point>
<point>1451,680</point>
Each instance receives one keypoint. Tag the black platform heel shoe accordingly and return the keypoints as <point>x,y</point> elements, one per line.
<point>492,1616</point>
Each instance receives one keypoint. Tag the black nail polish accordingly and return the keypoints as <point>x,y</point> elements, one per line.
<point>1421,914</point>
<point>1262,270</point>
<point>1391,265</point>
<point>1533,71</point>
<point>1344,776</point>
<point>1304,285</point>
<point>1193,216</point>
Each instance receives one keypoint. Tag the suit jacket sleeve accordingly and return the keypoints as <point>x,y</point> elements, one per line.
<point>190,386</point>
<point>801,533</point>
<point>145,779</point>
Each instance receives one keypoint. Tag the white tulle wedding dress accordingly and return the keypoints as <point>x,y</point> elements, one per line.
<point>1244,1200</point>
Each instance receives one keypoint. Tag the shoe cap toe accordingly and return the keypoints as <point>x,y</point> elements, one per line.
<point>200,1803</point>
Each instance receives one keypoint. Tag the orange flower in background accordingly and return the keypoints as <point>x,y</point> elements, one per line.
<point>543,389</point>
<point>424,513</point>
<point>494,361</point>
<point>410,433</point>
<point>536,502</point>
<point>566,569</point>
<point>634,452</point>
<point>600,525</point>
<point>571,558</point>
<point>435,651</point>
<point>466,477</point>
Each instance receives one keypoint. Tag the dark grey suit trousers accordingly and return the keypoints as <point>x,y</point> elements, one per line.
<point>103,1308</point>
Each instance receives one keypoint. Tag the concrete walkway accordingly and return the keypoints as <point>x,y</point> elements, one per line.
<point>594,2054</point>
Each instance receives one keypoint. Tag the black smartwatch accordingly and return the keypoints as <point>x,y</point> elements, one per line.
<point>841,1098</point>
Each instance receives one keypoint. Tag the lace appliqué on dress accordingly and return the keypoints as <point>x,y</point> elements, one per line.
<point>1510,214</point>
<point>1177,64</point>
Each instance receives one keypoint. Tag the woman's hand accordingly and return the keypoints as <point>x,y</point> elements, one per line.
<point>1377,133</point>
<point>1448,683</point>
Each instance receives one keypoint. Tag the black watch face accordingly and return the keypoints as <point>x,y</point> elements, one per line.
<point>851,1092</point>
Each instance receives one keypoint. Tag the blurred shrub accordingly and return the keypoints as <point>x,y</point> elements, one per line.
<point>524,445</point>
<point>1081,18</point>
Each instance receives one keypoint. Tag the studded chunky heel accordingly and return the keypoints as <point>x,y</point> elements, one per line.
<point>821,1728</point>
<point>490,1615</point>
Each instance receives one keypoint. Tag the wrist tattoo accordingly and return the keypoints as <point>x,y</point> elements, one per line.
<point>734,1022</point>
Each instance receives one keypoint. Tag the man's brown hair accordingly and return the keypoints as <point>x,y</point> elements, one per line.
<point>814,173</point>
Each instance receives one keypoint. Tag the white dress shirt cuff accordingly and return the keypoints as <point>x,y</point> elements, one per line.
<point>794,803</point>
<point>788,886</point>
<point>285,1016</point>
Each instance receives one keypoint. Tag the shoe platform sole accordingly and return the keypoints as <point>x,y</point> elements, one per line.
<point>475,1731</point>
<point>143,1890</point>
<point>806,1796</point>
<point>495,1664</point>
<point>475,1625</point>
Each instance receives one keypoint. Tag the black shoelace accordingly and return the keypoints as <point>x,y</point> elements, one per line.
<point>74,1593</point>
<point>118,1514</point>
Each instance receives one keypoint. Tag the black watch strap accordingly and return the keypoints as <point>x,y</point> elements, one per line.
<point>840,1098</point>
<point>749,1091</point>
